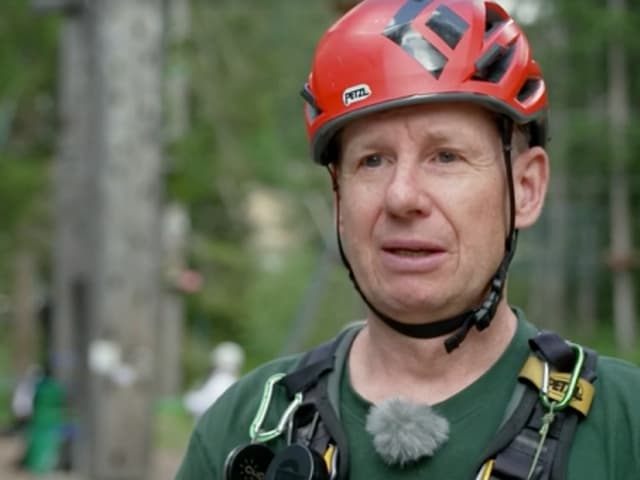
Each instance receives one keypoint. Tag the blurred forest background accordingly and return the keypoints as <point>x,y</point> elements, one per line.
<point>257,263</point>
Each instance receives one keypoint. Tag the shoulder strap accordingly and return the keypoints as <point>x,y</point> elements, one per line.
<point>319,362</point>
<point>317,376</point>
<point>512,451</point>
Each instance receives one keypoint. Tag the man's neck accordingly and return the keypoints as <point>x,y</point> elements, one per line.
<point>384,363</point>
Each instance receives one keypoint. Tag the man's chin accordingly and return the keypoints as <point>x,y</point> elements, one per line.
<point>420,312</point>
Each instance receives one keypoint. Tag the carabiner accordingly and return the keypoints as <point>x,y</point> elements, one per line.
<point>553,406</point>
<point>255,430</point>
<point>573,382</point>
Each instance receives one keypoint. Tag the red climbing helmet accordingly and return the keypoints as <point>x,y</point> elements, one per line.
<point>390,53</point>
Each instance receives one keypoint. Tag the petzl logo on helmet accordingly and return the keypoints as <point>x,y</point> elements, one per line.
<point>356,93</point>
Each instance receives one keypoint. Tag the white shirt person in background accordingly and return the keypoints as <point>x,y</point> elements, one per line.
<point>227,359</point>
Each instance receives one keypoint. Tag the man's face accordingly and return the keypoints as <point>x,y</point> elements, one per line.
<point>422,208</point>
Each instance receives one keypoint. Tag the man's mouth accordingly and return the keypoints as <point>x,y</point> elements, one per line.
<point>406,252</point>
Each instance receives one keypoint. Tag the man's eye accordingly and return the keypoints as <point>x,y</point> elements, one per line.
<point>446,157</point>
<point>372,161</point>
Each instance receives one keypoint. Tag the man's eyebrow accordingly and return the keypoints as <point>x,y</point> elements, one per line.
<point>439,136</point>
<point>365,141</point>
<point>433,135</point>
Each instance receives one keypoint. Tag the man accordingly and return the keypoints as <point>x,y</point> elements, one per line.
<point>430,116</point>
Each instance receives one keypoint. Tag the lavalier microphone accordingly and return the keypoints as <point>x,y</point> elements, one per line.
<point>404,432</point>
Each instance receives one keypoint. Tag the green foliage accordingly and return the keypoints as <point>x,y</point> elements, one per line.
<point>247,67</point>
<point>273,301</point>
<point>246,64</point>
<point>27,127</point>
<point>27,71</point>
<point>604,343</point>
<point>247,74</point>
<point>27,74</point>
<point>340,305</point>
<point>172,425</point>
<point>6,382</point>
<point>23,181</point>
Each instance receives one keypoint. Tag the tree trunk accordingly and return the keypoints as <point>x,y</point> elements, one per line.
<point>556,283</point>
<point>559,206</point>
<point>74,209</point>
<point>128,138</point>
<point>624,309</point>
<point>72,195</point>
<point>25,339</point>
<point>177,71</point>
<point>175,216</point>
<point>548,299</point>
<point>588,268</point>
<point>171,320</point>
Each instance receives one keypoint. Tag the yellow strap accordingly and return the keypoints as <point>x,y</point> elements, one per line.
<point>533,371</point>
<point>485,471</point>
<point>328,456</point>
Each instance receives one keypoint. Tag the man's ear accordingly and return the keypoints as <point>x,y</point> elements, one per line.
<point>530,181</point>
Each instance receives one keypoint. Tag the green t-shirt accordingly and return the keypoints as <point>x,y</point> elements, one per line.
<point>606,445</point>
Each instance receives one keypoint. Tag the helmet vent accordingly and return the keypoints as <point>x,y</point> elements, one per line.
<point>447,25</point>
<point>528,89</point>
<point>312,110</point>
<point>415,45</point>
<point>493,21</point>
<point>492,66</point>
<point>408,12</point>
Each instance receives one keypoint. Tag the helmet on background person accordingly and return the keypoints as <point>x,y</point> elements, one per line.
<point>385,54</point>
<point>227,356</point>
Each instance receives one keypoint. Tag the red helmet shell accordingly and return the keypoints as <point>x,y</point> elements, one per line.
<point>390,53</point>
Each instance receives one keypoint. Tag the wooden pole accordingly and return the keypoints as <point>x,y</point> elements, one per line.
<point>621,260</point>
<point>74,202</point>
<point>73,198</point>
<point>128,137</point>
<point>171,320</point>
<point>108,237</point>
<point>175,217</point>
<point>24,331</point>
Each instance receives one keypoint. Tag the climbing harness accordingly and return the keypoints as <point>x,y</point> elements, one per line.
<point>554,392</point>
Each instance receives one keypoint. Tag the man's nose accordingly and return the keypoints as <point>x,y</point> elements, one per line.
<point>406,194</point>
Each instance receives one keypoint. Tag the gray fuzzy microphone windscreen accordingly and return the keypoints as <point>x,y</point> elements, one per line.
<point>404,432</point>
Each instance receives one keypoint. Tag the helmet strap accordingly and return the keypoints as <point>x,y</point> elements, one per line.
<point>481,316</point>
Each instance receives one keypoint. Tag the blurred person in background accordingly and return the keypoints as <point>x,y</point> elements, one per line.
<point>226,359</point>
<point>431,119</point>
<point>22,399</point>
<point>49,433</point>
